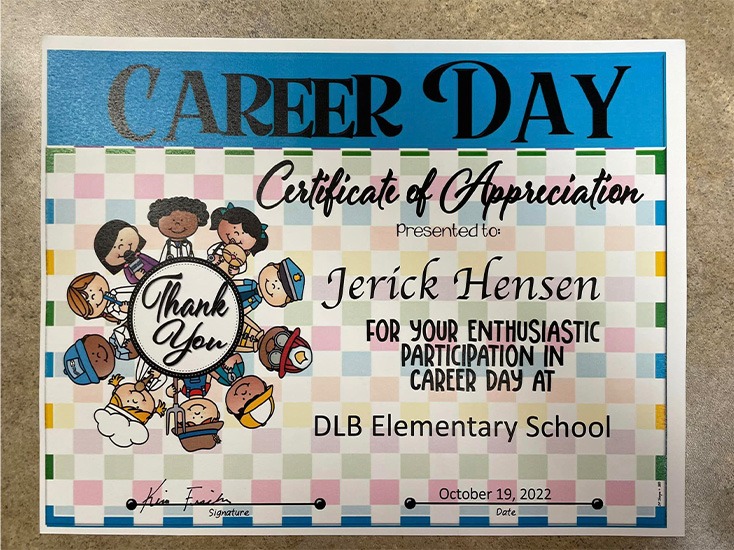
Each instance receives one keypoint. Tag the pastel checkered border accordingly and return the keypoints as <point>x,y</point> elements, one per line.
<point>652,517</point>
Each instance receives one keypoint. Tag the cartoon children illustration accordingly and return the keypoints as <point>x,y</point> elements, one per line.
<point>118,246</point>
<point>122,344</point>
<point>193,386</point>
<point>90,297</point>
<point>200,410</point>
<point>200,429</point>
<point>130,408</point>
<point>155,379</point>
<point>250,401</point>
<point>250,337</point>
<point>277,284</point>
<point>284,351</point>
<point>240,227</point>
<point>177,218</point>
<point>232,369</point>
<point>89,360</point>
<point>234,259</point>
<point>196,423</point>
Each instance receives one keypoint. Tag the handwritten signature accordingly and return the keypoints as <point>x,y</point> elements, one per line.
<point>155,498</point>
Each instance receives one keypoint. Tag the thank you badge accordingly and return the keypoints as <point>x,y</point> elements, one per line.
<point>185,317</point>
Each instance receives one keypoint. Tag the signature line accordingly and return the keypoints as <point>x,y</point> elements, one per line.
<point>319,504</point>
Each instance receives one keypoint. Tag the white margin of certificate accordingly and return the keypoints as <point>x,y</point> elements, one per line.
<point>675,120</point>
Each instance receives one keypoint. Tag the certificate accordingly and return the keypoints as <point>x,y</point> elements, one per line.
<point>374,287</point>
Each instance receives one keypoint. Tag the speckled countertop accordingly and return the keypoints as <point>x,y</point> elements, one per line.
<point>706,25</point>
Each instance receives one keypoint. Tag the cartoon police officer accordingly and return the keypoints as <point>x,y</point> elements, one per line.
<point>277,284</point>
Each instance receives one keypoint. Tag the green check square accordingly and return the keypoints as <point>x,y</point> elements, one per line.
<point>237,467</point>
<point>356,466</point>
<point>645,467</point>
<point>415,466</point>
<point>178,467</point>
<point>473,466</point>
<point>591,467</point>
<point>297,466</point>
<point>355,313</point>
<point>118,467</point>
<point>532,466</point>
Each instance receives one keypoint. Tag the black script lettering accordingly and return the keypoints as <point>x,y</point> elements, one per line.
<point>492,193</point>
<point>160,296</point>
<point>168,303</point>
<point>153,498</point>
<point>172,332</point>
<point>326,190</point>
<point>464,192</point>
<point>191,501</point>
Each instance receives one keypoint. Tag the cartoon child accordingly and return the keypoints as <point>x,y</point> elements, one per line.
<point>250,337</point>
<point>250,401</point>
<point>193,386</point>
<point>89,360</point>
<point>232,369</point>
<point>118,246</point>
<point>283,351</point>
<point>130,408</point>
<point>177,218</point>
<point>200,410</point>
<point>122,344</point>
<point>200,427</point>
<point>196,423</point>
<point>277,284</point>
<point>155,379</point>
<point>240,227</point>
<point>90,297</point>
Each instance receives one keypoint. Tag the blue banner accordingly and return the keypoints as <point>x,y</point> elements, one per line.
<point>348,100</point>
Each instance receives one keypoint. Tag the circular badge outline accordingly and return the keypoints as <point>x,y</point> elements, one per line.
<point>131,322</point>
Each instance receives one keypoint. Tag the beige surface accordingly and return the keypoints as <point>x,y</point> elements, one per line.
<point>705,25</point>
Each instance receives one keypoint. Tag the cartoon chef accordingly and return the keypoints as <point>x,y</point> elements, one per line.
<point>130,408</point>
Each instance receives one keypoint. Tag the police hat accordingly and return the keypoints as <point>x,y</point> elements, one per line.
<point>292,279</point>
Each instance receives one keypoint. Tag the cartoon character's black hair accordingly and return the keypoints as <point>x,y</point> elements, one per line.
<point>105,239</point>
<point>164,207</point>
<point>250,224</point>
